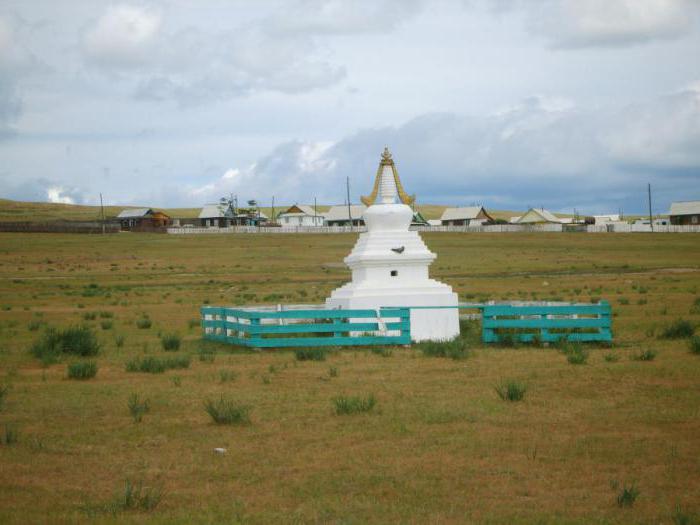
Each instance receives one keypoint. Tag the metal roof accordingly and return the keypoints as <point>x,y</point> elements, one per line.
<point>458,214</point>
<point>215,211</point>
<point>340,212</point>
<point>546,216</point>
<point>685,208</point>
<point>305,210</point>
<point>133,213</point>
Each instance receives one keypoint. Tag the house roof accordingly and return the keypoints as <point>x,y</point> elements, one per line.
<point>133,213</point>
<point>305,210</point>
<point>214,211</point>
<point>685,208</point>
<point>545,215</point>
<point>458,214</point>
<point>340,212</point>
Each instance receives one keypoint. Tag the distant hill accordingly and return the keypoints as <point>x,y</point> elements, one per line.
<point>47,211</point>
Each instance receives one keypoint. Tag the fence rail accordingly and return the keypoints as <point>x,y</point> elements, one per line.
<point>548,323</point>
<point>267,328</point>
<point>495,228</point>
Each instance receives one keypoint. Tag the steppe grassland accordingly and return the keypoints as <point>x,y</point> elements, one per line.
<point>440,446</point>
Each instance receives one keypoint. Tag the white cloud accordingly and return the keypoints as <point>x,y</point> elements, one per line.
<point>609,23</point>
<point>124,36</point>
<point>57,194</point>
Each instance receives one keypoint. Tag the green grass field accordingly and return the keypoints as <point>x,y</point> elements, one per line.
<point>428,439</point>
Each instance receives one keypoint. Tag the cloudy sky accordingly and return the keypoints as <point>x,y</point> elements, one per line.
<point>509,103</point>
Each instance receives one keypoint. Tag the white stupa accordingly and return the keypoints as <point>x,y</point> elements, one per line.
<point>390,264</point>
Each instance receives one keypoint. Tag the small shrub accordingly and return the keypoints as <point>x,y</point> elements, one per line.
<point>119,340</point>
<point>34,325</point>
<point>227,375</point>
<point>454,349</point>
<point>679,329</point>
<point>694,344</point>
<point>138,407</point>
<point>170,342</point>
<point>143,323</point>
<point>227,412</point>
<point>78,340</point>
<point>644,355</point>
<point>627,496</point>
<point>154,365</point>
<point>511,390</point>
<point>10,436</point>
<point>82,370</point>
<point>90,316</point>
<point>611,357</point>
<point>106,315</point>
<point>106,325</point>
<point>353,404</point>
<point>310,354</point>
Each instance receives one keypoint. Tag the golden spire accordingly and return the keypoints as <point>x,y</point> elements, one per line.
<point>387,161</point>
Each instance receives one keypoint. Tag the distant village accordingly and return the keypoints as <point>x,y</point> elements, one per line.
<point>228,215</point>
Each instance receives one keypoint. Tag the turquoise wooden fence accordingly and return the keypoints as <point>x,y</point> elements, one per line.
<point>261,328</point>
<point>550,323</point>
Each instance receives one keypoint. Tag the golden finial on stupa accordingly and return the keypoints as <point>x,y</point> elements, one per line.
<point>387,161</point>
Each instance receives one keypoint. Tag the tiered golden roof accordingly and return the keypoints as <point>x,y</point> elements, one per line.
<point>387,161</point>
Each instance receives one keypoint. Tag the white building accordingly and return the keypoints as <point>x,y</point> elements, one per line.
<point>300,215</point>
<point>603,219</point>
<point>390,264</point>
<point>340,215</point>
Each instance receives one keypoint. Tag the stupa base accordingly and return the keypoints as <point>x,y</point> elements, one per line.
<point>429,322</point>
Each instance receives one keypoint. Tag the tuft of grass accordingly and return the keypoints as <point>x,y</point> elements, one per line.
<point>455,348</point>
<point>138,407</point>
<point>144,323</point>
<point>382,351</point>
<point>106,315</point>
<point>227,375</point>
<point>82,370</point>
<point>644,355</point>
<point>9,436</point>
<point>154,365</point>
<point>106,325</point>
<point>135,498</point>
<point>310,354</point>
<point>227,412</point>
<point>193,323</point>
<point>694,344</point>
<point>78,340</point>
<point>206,355</point>
<point>333,372</point>
<point>611,357</point>
<point>34,325</point>
<point>170,342</point>
<point>679,329</point>
<point>681,518</point>
<point>119,340</point>
<point>576,354</point>
<point>90,316</point>
<point>627,496</point>
<point>4,389</point>
<point>345,405</point>
<point>511,390</point>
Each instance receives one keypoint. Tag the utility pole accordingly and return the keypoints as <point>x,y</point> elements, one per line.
<point>102,212</point>
<point>273,209</point>
<point>347,185</point>
<point>315,211</point>
<point>651,220</point>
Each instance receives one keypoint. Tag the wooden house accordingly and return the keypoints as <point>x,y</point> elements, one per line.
<point>300,215</point>
<point>685,213</point>
<point>465,216</point>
